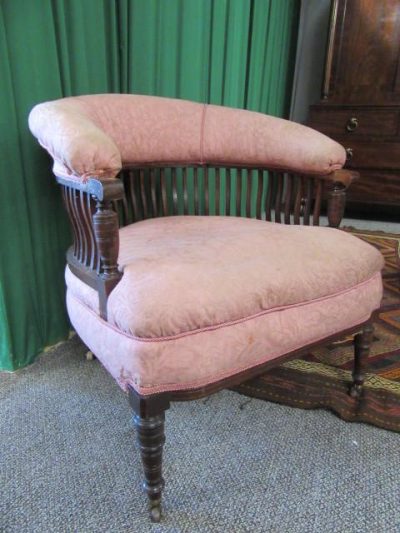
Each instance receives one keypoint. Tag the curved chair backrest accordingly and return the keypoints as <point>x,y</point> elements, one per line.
<point>97,135</point>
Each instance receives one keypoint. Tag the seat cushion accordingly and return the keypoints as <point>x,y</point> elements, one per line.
<point>201,297</point>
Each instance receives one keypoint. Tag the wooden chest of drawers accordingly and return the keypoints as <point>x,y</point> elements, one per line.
<point>360,106</point>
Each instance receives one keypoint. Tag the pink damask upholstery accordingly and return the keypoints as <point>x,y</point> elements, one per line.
<point>202,298</point>
<point>98,134</point>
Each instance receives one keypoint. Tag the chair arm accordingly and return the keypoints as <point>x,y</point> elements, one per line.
<point>94,255</point>
<point>104,189</point>
<point>342,178</point>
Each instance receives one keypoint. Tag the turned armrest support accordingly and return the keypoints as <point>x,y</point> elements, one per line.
<point>338,183</point>
<point>106,231</point>
<point>104,227</point>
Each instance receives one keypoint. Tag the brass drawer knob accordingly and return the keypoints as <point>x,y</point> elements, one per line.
<point>352,124</point>
<point>349,152</point>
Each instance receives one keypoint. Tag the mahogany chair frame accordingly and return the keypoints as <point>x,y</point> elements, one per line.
<point>98,207</point>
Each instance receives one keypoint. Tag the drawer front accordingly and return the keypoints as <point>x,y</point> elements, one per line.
<point>354,122</point>
<point>372,155</point>
<point>376,187</point>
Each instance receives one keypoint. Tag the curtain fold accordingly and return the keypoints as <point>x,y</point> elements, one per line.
<point>232,52</point>
<point>49,49</point>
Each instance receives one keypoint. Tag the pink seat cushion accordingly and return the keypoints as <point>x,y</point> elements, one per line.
<point>96,135</point>
<point>202,297</point>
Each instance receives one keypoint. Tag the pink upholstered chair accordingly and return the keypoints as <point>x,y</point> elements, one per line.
<point>176,301</point>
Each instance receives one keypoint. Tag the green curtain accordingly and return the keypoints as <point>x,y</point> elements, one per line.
<point>48,49</point>
<point>232,52</point>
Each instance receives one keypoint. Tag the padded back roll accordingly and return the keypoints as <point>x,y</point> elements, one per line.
<point>96,135</point>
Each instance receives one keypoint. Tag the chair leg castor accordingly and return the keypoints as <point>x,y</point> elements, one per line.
<point>155,511</point>
<point>355,390</point>
<point>90,356</point>
<point>362,344</point>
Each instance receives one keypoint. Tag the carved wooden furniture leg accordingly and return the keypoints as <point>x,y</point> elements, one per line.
<point>148,418</point>
<point>362,343</point>
<point>151,438</point>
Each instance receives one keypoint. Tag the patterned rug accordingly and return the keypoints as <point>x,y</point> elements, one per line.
<point>321,378</point>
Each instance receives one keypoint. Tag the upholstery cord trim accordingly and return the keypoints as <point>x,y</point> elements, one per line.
<point>171,387</point>
<point>228,323</point>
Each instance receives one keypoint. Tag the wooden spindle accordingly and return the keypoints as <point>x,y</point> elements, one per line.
<point>206,191</point>
<point>317,203</point>
<point>308,201</point>
<point>196,191</point>
<point>153,192</point>
<point>268,199</point>
<point>132,195</point>
<point>143,196</point>
<point>66,193</point>
<point>217,191</point>
<point>278,196</point>
<point>297,202</point>
<point>185,191</point>
<point>228,192</point>
<point>90,210</point>
<point>249,188</point>
<point>238,192</point>
<point>288,198</point>
<point>164,199</point>
<point>86,228</point>
<point>260,188</point>
<point>174,189</point>
<point>78,223</point>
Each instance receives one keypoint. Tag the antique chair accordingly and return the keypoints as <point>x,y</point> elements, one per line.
<point>218,270</point>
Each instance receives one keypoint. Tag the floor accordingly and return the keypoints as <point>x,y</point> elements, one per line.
<point>69,461</point>
<point>374,225</point>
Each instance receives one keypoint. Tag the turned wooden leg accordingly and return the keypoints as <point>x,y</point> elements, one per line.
<point>362,343</point>
<point>151,438</point>
<point>148,418</point>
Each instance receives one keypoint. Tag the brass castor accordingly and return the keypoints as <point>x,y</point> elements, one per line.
<point>155,512</point>
<point>89,356</point>
<point>355,390</point>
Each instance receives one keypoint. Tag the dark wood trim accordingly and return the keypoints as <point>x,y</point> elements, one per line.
<point>362,344</point>
<point>106,231</point>
<point>330,50</point>
<point>336,205</point>
<point>85,273</point>
<point>148,419</point>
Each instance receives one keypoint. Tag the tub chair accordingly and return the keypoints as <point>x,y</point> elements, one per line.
<point>197,259</point>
